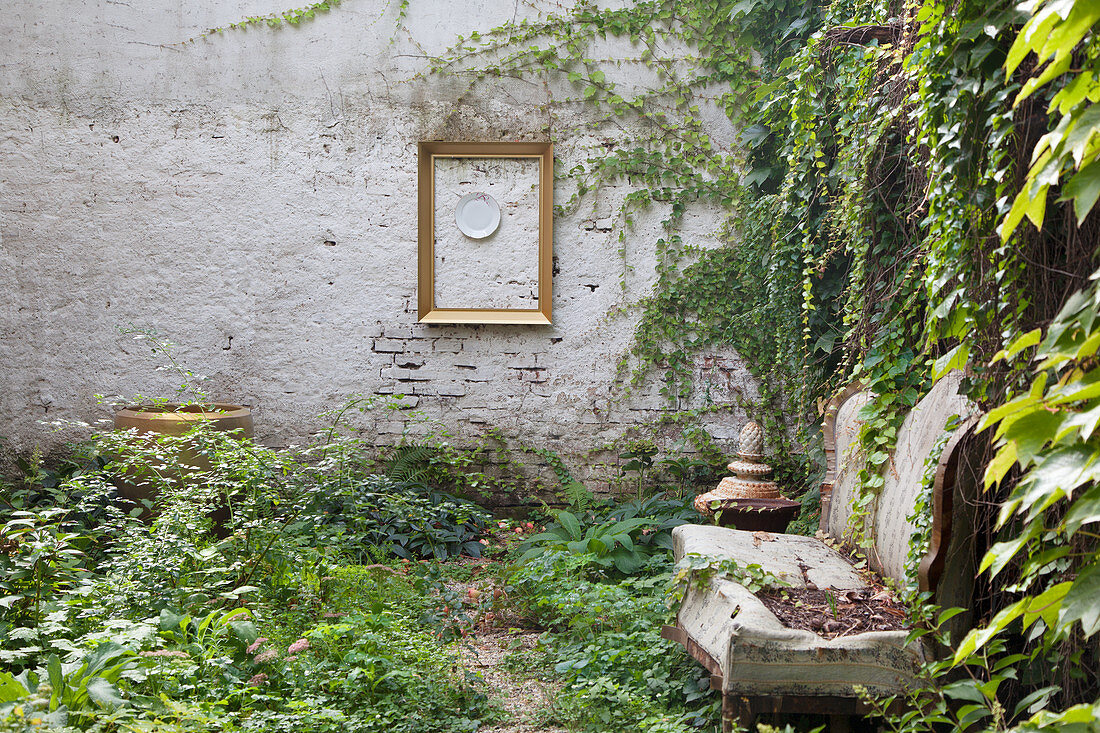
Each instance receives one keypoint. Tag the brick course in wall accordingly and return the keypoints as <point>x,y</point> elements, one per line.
<point>252,196</point>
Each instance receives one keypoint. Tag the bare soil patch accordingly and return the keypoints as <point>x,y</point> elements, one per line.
<point>833,613</point>
<point>522,698</point>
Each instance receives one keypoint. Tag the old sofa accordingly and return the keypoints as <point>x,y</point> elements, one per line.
<point>761,666</point>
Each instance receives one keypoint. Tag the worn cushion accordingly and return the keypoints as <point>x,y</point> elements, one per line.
<point>916,438</point>
<point>758,655</point>
<point>783,555</point>
<point>848,462</point>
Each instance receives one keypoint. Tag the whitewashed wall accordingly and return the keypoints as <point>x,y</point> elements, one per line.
<point>252,196</point>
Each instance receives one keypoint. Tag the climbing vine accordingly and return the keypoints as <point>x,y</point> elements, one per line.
<point>912,187</point>
<point>293,16</point>
<point>703,57</point>
<point>887,155</point>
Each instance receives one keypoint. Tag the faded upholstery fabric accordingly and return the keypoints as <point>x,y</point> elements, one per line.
<point>922,426</point>
<point>847,462</point>
<point>782,555</point>
<point>757,653</point>
<point>765,657</point>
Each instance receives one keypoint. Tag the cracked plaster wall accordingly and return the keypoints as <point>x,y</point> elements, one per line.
<point>252,196</point>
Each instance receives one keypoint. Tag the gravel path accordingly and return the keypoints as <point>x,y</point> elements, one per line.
<point>522,698</point>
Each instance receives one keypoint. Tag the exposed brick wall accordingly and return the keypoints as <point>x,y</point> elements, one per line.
<point>252,196</point>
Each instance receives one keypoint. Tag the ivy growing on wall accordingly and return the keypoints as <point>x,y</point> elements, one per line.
<point>888,154</point>
<point>293,16</point>
<point>912,189</point>
<point>703,57</point>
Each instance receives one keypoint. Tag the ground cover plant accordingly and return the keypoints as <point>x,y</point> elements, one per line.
<point>618,673</point>
<point>113,619</point>
<point>330,599</point>
<point>912,190</point>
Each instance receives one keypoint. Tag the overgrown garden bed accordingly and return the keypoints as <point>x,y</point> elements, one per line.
<point>334,599</point>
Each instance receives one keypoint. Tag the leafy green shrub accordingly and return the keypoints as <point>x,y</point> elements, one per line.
<point>202,637</point>
<point>620,536</point>
<point>688,471</point>
<point>171,591</point>
<point>23,712</point>
<point>407,520</point>
<point>352,587</point>
<point>370,671</point>
<point>638,458</point>
<point>90,685</point>
<point>599,703</point>
<point>41,484</point>
<point>38,560</point>
<point>664,515</point>
<point>619,674</point>
<point>287,521</point>
<point>41,568</point>
<point>610,543</point>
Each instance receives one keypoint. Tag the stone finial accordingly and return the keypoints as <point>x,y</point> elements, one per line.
<point>751,479</point>
<point>751,443</point>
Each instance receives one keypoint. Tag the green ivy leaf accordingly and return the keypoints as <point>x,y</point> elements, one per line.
<point>964,690</point>
<point>1027,203</point>
<point>1056,475</point>
<point>1000,465</point>
<point>1083,189</point>
<point>1031,338</point>
<point>954,359</point>
<point>1085,510</point>
<point>1046,605</point>
<point>1082,602</point>
<point>1001,553</point>
<point>1031,431</point>
<point>978,638</point>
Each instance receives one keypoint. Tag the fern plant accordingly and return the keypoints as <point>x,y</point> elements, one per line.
<point>410,463</point>
<point>577,495</point>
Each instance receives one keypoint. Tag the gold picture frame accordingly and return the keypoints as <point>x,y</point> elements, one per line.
<point>428,312</point>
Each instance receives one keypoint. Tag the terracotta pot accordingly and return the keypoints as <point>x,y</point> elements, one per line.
<point>757,515</point>
<point>174,419</point>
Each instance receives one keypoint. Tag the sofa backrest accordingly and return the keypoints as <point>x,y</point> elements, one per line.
<point>922,427</point>
<point>889,522</point>
<point>843,459</point>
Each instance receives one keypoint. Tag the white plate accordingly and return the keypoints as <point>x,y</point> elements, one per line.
<point>477,215</point>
